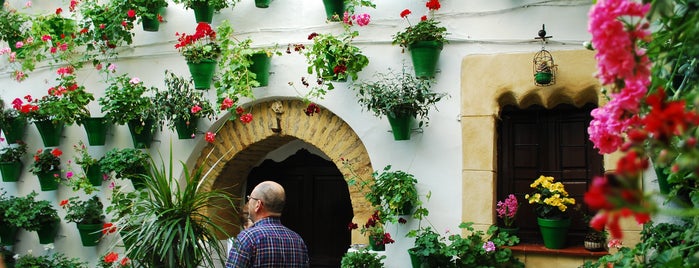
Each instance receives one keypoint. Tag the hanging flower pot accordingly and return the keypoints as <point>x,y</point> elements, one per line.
<point>203,12</point>
<point>11,171</point>
<point>50,132</point>
<point>47,233</point>
<point>152,24</point>
<point>376,245</point>
<point>400,126</point>
<point>185,130</point>
<point>202,73</point>
<point>14,131</point>
<point>425,55</point>
<point>334,7</point>
<point>96,129</point>
<point>90,234</point>
<point>260,66</point>
<point>262,3</point>
<point>141,132</point>
<point>554,232</point>
<point>49,180</point>
<point>543,78</point>
<point>94,174</point>
<point>415,260</point>
<point>8,235</point>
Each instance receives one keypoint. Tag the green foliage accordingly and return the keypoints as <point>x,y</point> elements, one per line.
<point>84,211</point>
<point>146,8</point>
<point>46,161</point>
<point>56,260</point>
<point>12,25</point>
<point>126,163</point>
<point>178,224</point>
<point>471,252</point>
<point>40,213</point>
<point>177,102</point>
<point>425,30</point>
<point>362,259</point>
<point>430,247</point>
<point>8,115</point>
<point>396,94</point>
<point>122,204</point>
<point>128,99</point>
<point>15,210</point>
<point>392,192</point>
<point>13,152</point>
<point>216,4</point>
<point>104,27</point>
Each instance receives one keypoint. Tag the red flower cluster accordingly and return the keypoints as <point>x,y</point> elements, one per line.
<point>616,197</point>
<point>108,228</point>
<point>405,13</point>
<point>113,257</point>
<point>667,118</point>
<point>339,69</point>
<point>312,109</point>
<point>25,108</point>
<point>203,30</point>
<point>433,5</point>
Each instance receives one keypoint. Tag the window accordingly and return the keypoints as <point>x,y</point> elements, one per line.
<point>536,141</point>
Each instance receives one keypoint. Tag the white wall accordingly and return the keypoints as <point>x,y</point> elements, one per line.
<point>434,157</point>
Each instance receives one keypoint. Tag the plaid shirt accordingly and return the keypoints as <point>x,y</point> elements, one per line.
<point>268,243</point>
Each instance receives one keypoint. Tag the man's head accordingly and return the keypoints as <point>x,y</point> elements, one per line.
<point>266,199</point>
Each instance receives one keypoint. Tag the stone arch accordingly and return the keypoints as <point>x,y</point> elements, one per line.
<point>238,147</point>
<point>490,82</point>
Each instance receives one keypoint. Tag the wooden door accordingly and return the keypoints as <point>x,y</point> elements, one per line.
<point>318,205</point>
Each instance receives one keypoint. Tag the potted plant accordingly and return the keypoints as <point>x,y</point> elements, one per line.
<point>204,9</point>
<point>14,28</point>
<point>42,217</point>
<point>148,11</point>
<point>481,249</point>
<point>429,248</point>
<point>182,105</point>
<point>594,240</point>
<point>127,163</point>
<point>47,167</point>
<point>128,101</point>
<point>399,96</point>
<point>334,9</point>
<point>551,202</point>
<point>507,211</point>
<point>121,207</point>
<point>394,192</point>
<point>55,260</point>
<point>11,161</point>
<point>104,27</point>
<point>12,123</point>
<point>241,67</point>
<point>111,259</point>
<point>544,72</point>
<point>65,104</point>
<point>425,40</point>
<point>176,227</point>
<point>12,218</point>
<point>374,229</point>
<point>88,217</point>
<point>362,259</point>
<point>200,50</point>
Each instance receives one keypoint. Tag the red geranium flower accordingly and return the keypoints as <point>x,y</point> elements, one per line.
<point>405,13</point>
<point>56,152</point>
<point>111,257</point>
<point>433,4</point>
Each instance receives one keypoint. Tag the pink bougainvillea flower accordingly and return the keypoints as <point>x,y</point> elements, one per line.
<point>246,118</point>
<point>210,137</point>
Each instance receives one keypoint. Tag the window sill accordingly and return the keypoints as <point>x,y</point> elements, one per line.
<point>578,251</point>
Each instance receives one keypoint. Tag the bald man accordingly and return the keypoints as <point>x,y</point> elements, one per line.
<point>267,243</point>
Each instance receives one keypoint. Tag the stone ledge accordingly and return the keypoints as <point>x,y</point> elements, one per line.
<point>579,251</point>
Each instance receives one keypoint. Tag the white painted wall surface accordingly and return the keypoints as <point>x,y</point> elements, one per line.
<point>434,157</point>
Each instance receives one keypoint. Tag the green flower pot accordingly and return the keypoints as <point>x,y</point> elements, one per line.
<point>203,12</point>
<point>94,175</point>
<point>152,24</point>
<point>415,260</point>
<point>374,246</point>
<point>262,3</point>
<point>48,181</point>
<point>425,55</point>
<point>96,129</point>
<point>50,132</point>
<point>334,7</point>
<point>554,232</point>
<point>400,126</point>
<point>15,130</point>
<point>47,233</point>
<point>202,73</point>
<point>260,66</point>
<point>662,181</point>
<point>512,231</point>
<point>11,171</point>
<point>543,78</point>
<point>90,234</point>
<point>184,130</point>
<point>141,133</point>
<point>8,235</point>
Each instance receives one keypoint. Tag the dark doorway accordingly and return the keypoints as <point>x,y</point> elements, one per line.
<point>318,204</point>
<point>552,142</point>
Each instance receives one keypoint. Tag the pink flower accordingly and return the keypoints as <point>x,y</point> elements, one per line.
<point>69,174</point>
<point>28,4</point>
<point>210,137</point>
<point>5,50</point>
<point>195,109</point>
<point>45,38</point>
<point>507,210</point>
<point>112,67</point>
<point>13,57</point>
<point>98,66</point>
<point>346,18</point>
<point>19,76</point>
<point>362,19</point>
<point>135,80</point>
<point>19,44</point>
<point>489,246</point>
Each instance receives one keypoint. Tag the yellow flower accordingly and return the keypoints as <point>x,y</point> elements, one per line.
<point>534,198</point>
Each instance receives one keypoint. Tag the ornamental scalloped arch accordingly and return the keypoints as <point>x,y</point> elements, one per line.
<point>239,147</point>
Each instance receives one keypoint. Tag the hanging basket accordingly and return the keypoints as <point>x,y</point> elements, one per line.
<point>94,174</point>
<point>8,235</point>
<point>425,55</point>
<point>47,233</point>
<point>14,131</point>
<point>11,171</point>
<point>50,132</point>
<point>334,7</point>
<point>262,3</point>
<point>152,24</point>
<point>203,12</point>
<point>49,180</point>
<point>96,129</point>
<point>400,126</point>
<point>90,234</point>
<point>260,66</point>
<point>184,130</point>
<point>374,246</point>
<point>202,73</point>
<point>554,232</point>
<point>141,132</point>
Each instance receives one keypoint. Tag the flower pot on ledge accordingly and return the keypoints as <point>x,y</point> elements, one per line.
<point>202,73</point>
<point>554,232</point>
<point>184,130</point>
<point>262,3</point>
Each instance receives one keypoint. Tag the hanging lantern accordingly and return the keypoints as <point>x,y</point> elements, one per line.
<point>544,67</point>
